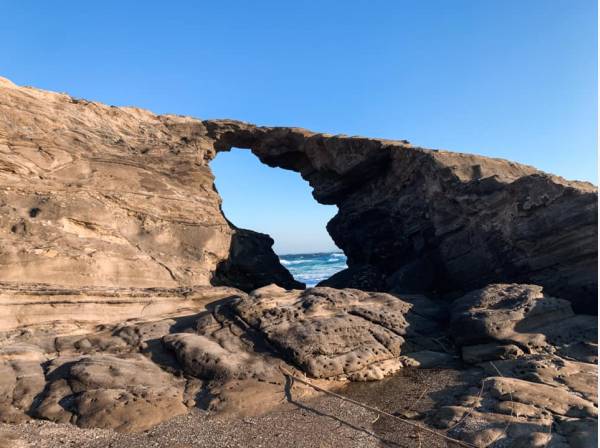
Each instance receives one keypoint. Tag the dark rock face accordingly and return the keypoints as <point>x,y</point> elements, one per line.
<point>497,312</point>
<point>252,264</point>
<point>417,220</point>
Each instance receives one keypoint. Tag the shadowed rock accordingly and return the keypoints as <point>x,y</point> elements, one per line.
<point>252,264</point>
<point>539,363</point>
<point>413,220</point>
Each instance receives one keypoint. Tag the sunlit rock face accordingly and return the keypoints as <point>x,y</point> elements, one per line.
<point>99,195</point>
<point>94,195</point>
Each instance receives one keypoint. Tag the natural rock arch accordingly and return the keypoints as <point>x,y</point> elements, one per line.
<point>127,197</point>
<point>418,220</point>
<point>111,233</point>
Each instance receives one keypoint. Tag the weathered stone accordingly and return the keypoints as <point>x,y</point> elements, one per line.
<point>21,380</point>
<point>555,399</point>
<point>475,354</point>
<point>205,358</point>
<point>104,391</point>
<point>127,197</point>
<point>329,332</point>
<point>505,313</point>
<point>417,220</point>
<point>29,305</point>
<point>112,237</point>
<point>577,378</point>
<point>252,264</point>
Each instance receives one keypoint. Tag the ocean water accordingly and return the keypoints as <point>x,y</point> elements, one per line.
<point>313,268</point>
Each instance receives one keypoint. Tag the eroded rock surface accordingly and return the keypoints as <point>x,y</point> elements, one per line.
<point>231,352</point>
<point>505,315</point>
<point>128,199</point>
<point>252,264</point>
<point>129,376</point>
<point>418,220</point>
<point>94,195</point>
<point>64,308</point>
<point>127,393</point>
<point>91,356</point>
<point>539,385</point>
<point>112,240</point>
<point>329,332</point>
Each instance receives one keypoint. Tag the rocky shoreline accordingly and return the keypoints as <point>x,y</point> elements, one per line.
<point>534,360</point>
<point>131,308</point>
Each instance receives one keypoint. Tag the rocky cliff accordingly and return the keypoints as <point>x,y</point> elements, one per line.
<point>99,195</point>
<point>419,220</point>
<point>121,302</point>
<point>93,195</point>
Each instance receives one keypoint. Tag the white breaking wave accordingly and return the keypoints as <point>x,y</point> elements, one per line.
<point>292,262</point>
<point>314,268</point>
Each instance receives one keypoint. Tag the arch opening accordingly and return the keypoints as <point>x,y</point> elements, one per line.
<point>279,203</point>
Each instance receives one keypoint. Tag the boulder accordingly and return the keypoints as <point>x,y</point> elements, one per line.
<point>505,312</point>
<point>21,380</point>
<point>252,264</point>
<point>555,399</point>
<point>476,354</point>
<point>330,333</point>
<point>128,393</point>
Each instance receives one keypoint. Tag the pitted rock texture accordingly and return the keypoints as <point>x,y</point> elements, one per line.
<point>121,369</point>
<point>111,235</point>
<point>94,357</point>
<point>332,333</point>
<point>221,352</point>
<point>127,199</point>
<point>503,315</point>
<point>538,382</point>
<point>539,362</point>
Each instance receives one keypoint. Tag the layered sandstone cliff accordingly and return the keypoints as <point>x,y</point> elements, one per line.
<point>93,195</point>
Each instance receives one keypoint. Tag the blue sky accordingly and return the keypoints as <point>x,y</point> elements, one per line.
<point>505,78</point>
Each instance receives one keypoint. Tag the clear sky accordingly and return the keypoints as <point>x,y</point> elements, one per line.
<point>506,78</point>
